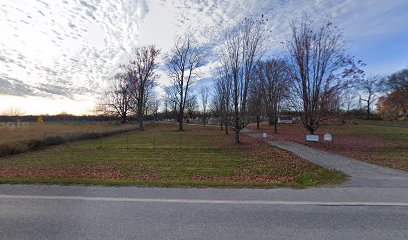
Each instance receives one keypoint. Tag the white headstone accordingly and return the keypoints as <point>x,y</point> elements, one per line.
<point>312,138</point>
<point>327,137</point>
<point>264,135</point>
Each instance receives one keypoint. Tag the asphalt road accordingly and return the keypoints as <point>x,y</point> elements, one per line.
<point>75,212</point>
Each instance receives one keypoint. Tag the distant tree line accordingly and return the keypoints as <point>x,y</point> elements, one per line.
<point>59,118</point>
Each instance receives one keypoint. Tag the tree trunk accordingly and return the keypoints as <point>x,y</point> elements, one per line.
<point>140,111</point>
<point>124,118</point>
<point>204,120</point>
<point>236,122</point>
<point>226,128</point>
<point>181,116</point>
<point>237,137</point>
<point>368,112</point>
<point>221,128</point>
<point>180,123</point>
<point>257,122</point>
<point>141,127</point>
<point>275,125</point>
<point>140,118</point>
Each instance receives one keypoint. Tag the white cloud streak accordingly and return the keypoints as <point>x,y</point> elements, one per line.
<point>69,49</point>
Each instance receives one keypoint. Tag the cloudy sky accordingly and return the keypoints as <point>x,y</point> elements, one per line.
<point>58,55</point>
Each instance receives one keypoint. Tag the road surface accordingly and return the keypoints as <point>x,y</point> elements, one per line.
<point>78,212</point>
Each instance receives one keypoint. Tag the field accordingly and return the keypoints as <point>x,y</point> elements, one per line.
<point>161,156</point>
<point>23,137</point>
<point>368,141</point>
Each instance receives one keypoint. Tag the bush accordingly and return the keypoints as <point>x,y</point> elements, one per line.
<point>53,140</point>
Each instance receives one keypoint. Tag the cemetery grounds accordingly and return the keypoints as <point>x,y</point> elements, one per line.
<point>161,156</point>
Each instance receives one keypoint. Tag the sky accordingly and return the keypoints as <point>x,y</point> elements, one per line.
<point>59,55</point>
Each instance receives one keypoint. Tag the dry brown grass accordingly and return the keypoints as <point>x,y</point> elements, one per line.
<point>24,137</point>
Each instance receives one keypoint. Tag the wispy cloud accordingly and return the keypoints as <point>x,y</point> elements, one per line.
<point>71,48</point>
<point>66,45</point>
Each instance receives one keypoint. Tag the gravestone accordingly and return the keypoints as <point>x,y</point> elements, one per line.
<point>264,135</point>
<point>327,137</point>
<point>312,138</point>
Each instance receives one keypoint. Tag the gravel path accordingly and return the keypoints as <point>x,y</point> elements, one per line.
<point>362,174</point>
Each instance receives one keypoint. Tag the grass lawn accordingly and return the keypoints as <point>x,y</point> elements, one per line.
<point>161,156</point>
<point>383,145</point>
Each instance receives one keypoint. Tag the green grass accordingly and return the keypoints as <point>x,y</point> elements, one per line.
<point>163,157</point>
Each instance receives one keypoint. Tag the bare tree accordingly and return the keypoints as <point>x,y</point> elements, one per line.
<point>166,105</point>
<point>256,106</point>
<point>222,96</point>
<point>116,101</point>
<point>320,67</point>
<point>13,112</point>
<point>141,72</point>
<point>172,99</point>
<point>242,48</point>
<point>191,106</point>
<point>182,63</point>
<point>155,108</point>
<point>152,104</point>
<point>217,103</point>
<point>348,99</point>
<point>273,76</point>
<point>369,87</point>
<point>204,102</point>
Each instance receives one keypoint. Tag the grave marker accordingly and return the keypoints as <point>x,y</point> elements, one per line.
<point>312,138</point>
<point>327,137</point>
